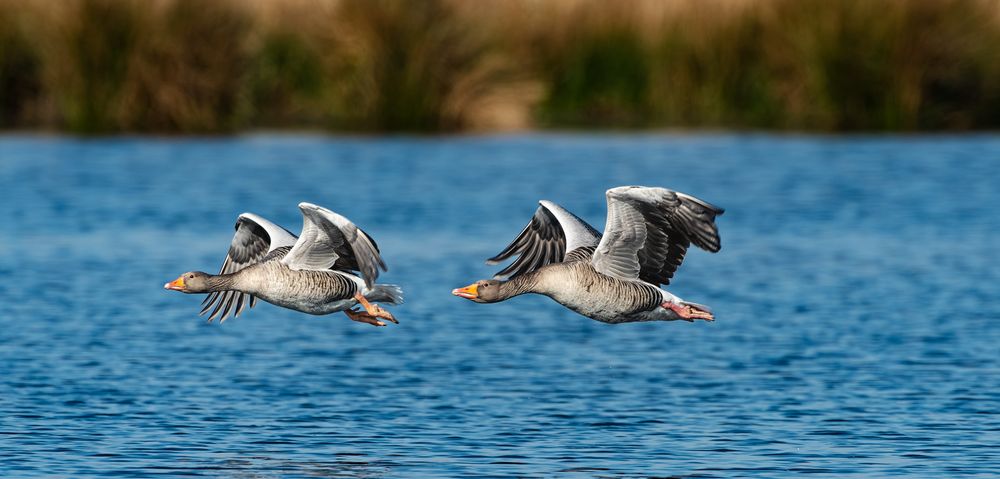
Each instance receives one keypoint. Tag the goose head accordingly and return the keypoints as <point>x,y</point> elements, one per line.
<point>482,291</point>
<point>190,282</point>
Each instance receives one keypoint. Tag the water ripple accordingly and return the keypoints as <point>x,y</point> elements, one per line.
<point>855,293</point>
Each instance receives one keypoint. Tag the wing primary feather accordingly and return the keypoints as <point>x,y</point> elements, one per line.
<point>209,298</point>
<point>537,257</point>
<point>229,306</point>
<point>209,304</point>
<point>240,303</point>
<point>514,246</point>
<point>649,230</point>
<point>218,307</point>
<point>254,239</point>
<point>543,240</point>
<point>331,241</point>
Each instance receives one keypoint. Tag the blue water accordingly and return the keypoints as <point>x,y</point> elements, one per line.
<point>856,295</point>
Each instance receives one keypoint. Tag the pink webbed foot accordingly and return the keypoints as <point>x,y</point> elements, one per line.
<point>688,313</point>
<point>363,317</point>
<point>374,310</point>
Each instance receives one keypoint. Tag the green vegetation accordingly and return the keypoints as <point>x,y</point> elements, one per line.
<point>415,66</point>
<point>106,66</point>
<point>20,71</point>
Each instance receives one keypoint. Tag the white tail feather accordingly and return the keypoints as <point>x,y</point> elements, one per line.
<point>386,293</point>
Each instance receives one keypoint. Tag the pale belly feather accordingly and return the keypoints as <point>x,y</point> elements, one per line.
<point>312,292</point>
<point>599,297</point>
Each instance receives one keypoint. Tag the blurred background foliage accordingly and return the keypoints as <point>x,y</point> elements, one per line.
<point>189,66</point>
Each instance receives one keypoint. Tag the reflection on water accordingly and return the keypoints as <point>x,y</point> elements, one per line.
<point>855,295</point>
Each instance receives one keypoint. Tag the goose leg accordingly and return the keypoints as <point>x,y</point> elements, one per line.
<point>363,317</point>
<point>374,309</point>
<point>688,313</point>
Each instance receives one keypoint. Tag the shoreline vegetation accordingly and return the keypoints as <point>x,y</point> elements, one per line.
<point>186,66</point>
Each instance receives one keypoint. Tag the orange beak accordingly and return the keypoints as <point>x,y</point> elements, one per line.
<point>176,285</point>
<point>469,292</point>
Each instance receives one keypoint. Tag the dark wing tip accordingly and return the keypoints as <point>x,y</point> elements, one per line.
<point>530,246</point>
<point>714,247</point>
<point>700,202</point>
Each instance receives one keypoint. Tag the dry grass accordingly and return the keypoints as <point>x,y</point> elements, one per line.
<point>399,65</point>
<point>21,76</point>
<point>189,70</point>
<point>96,66</point>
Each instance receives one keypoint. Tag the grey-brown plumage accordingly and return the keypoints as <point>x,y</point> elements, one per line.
<point>614,277</point>
<point>332,266</point>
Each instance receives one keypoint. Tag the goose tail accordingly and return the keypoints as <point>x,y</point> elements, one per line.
<point>386,293</point>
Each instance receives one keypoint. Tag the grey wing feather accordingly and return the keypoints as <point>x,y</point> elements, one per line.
<point>578,233</point>
<point>547,238</point>
<point>624,234</point>
<point>255,238</point>
<point>649,230</point>
<point>328,240</point>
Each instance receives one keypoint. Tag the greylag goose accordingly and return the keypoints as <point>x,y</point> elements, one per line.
<point>314,273</point>
<point>614,278</point>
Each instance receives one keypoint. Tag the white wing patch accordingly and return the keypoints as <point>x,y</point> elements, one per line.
<point>649,230</point>
<point>279,236</point>
<point>549,235</point>
<point>624,235</point>
<point>254,239</point>
<point>325,237</point>
<point>577,232</point>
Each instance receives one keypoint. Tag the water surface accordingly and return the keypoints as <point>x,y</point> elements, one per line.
<point>856,296</point>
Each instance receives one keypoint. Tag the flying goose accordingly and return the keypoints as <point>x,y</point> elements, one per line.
<point>315,273</point>
<point>614,277</point>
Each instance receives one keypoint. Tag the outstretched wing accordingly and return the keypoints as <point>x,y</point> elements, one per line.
<point>548,237</point>
<point>329,240</point>
<point>255,237</point>
<point>649,231</point>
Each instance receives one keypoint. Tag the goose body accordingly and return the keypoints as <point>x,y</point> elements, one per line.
<point>579,287</point>
<point>313,292</point>
<point>331,266</point>
<point>613,277</point>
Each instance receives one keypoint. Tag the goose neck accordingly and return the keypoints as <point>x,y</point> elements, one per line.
<point>518,285</point>
<point>222,282</point>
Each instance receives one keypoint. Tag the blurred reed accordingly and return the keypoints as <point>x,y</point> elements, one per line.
<point>104,66</point>
<point>20,69</point>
